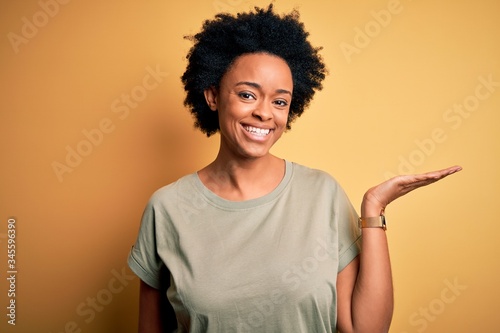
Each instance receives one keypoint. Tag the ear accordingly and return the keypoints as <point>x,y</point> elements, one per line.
<point>211,97</point>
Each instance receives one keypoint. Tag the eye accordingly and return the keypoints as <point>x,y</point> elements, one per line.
<point>246,95</point>
<point>281,102</point>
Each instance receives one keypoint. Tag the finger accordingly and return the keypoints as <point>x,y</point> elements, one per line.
<point>437,175</point>
<point>428,178</point>
<point>444,172</point>
<point>398,186</point>
<point>405,179</point>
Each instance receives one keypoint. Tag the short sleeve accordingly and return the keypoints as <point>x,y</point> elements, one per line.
<point>143,258</point>
<point>349,236</point>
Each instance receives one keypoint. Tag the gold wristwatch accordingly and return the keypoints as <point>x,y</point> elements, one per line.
<point>373,222</point>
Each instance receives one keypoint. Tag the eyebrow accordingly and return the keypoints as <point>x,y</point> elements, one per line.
<point>258,86</point>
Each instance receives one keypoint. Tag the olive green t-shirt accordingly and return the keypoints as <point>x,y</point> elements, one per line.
<point>263,265</point>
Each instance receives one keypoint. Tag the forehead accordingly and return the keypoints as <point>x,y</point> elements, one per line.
<point>261,68</point>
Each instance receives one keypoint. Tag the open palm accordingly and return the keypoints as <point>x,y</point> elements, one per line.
<point>378,197</point>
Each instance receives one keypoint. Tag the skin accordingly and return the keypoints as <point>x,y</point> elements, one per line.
<point>150,309</point>
<point>256,91</point>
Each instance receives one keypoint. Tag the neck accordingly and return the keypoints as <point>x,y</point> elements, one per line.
<point>243,179</point>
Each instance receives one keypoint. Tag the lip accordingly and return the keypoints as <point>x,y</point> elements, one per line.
<point>257,126</point>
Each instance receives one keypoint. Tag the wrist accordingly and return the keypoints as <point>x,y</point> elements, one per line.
<point>370,207</point>
<point>372,222</point>
<point>371,210</point>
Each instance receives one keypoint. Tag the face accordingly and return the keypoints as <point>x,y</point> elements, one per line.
<point>253,101</point>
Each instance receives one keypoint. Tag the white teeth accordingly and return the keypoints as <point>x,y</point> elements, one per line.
<point>257,131</point>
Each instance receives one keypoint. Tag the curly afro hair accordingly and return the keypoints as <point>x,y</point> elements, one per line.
<point>227,37</point>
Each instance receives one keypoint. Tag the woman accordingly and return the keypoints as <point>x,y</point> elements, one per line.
<point>252,242</point>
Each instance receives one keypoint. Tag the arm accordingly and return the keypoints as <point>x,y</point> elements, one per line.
<point>150,306</point>
<point>364,287</point>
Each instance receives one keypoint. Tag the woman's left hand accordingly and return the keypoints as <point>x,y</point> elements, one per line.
<point>378,197</point>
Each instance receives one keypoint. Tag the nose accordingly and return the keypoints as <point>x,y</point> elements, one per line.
<point>263,111</point>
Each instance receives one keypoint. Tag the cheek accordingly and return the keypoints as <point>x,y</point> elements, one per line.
<point>283,118</point>
<point>236,109</point>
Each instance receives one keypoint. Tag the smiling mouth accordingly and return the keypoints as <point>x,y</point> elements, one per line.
<point>257,131</point>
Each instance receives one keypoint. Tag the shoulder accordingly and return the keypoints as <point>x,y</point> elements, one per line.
<point>172,192</point>
<point>307,175</point>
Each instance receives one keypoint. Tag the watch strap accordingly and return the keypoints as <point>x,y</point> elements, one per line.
<point>373,222</point>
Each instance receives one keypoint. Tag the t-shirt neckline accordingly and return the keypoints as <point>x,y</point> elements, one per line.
<point>220,202</point>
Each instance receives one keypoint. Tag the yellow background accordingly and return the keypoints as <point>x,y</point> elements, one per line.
<point>375,116</point>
